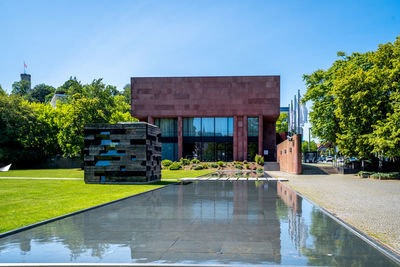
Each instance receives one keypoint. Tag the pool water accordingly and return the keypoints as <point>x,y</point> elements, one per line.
<point>201,222</point>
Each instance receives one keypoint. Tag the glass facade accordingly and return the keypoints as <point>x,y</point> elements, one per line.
<point>252,137</point>
<point>169,151</point>
<point>169,137</point>
<point>168,127</point>
<point>208,138</point>
<point>191,126</point>
<point>252,126</point>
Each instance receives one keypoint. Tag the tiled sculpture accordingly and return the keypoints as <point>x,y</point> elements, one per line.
<point>123,153</point>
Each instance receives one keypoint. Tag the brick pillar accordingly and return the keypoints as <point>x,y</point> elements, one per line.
<point>240,138</point>
<point>150,119</point>
<point>180,138</point>
<point>235,138</point>
<point>260,134</point>
<point>245,138</point>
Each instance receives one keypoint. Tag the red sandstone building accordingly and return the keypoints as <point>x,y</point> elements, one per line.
<point>211,118</point>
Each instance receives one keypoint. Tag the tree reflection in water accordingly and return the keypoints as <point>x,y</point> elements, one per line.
<point>330,244</point>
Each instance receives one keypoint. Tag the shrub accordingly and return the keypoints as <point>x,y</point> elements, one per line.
<point>259,159</point>
<point>175,166</point>
<point>245,162</point>
<point>214,165</point>
<point>385,176</point>
<point>184,161</point>
<point>195,161</point>
<point>247,166</point>
<point>364,174</point>
<point>260,170</point>
<point>166,163</point>
<point>221,164</point>
<point>204,165</point>
<point>198,167</point>
<point>238,166</point>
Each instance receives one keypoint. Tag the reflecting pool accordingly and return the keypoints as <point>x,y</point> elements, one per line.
<point>204,222</point>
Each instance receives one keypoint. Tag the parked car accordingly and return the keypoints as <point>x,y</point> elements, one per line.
<point>329,159</point>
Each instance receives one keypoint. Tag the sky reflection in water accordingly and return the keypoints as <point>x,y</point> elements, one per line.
<point>221,222</point>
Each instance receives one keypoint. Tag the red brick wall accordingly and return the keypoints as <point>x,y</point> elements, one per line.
<point>227,96</point>
<point>206,96</point>
<point>289,155</point>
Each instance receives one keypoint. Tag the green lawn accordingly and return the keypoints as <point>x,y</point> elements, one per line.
<point>78,173</point>
<point>167,174</point>
<point>51,173</point>
<point>23,202</point>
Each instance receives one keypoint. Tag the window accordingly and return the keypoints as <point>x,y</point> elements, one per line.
<point>207,126</point>
<point>169,151</point>
<point>191,126</point>
<point>168,126</point>
<point>221,126</point>
<point>252,126</point>
<point>230,126</point>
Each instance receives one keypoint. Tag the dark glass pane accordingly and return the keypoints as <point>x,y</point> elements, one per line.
<point>221,152</point>
<point>191,126</point>
<point>207,126</point>
<point>169,151</point>
<point>192,150</point>
<point>230,126</point>
<point>168,126</point>
<point>208,151</point>
<point>221,126</point>
<point>252,150</point>
<point>229,151</point>
<point>252,126</point>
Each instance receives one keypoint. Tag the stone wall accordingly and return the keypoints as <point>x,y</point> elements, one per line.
<point>239,97</point>
<point>289,155</point>
<point>122,153</point>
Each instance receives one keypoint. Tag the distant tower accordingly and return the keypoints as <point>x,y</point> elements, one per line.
<point>25,76</point>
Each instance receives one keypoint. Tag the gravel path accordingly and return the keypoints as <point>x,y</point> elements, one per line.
<point>371,206</point>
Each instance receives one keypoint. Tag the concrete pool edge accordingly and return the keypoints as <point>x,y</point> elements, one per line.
<point>375,243</point>
<point>11,232</point>
<point>133,264</point>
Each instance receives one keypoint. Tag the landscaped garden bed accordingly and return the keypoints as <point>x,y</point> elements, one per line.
<point>195,164</point>
<point>379,175</point>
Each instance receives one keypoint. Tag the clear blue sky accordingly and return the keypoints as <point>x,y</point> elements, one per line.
<point>119,39</point>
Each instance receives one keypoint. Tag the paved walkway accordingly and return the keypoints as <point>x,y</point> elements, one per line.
<point>372,206</point>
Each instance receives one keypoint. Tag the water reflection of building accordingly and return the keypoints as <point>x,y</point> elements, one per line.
<point>298,230</point>
<point>226,221</point>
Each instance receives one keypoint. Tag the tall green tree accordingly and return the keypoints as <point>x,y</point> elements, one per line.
<point>40,92</point>
<point>97,103</point>
<point>23,136</point>
<point>354,102</point>
<point>2,92</point>
<point>127,93</point>
<point>282,123</point>
<point>21,88</point>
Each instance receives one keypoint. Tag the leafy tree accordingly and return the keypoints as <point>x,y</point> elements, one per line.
<point>71,120</point>
<point>2,92</point>
<point>97,103</point>
<point>40,92</point>
<point>21,88</point>
<point>313,146</point>
<point>127,93</point>
<point>23,136</point>
<point>354,102</point>
<point>282,123</point>
<point>71,87</point>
